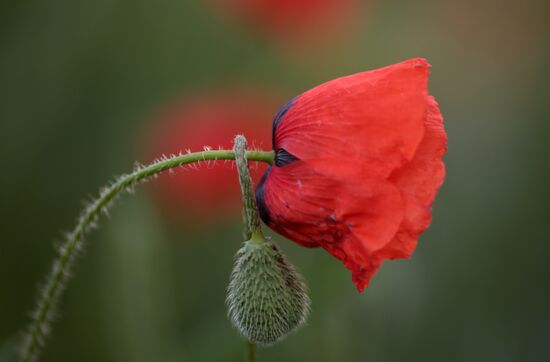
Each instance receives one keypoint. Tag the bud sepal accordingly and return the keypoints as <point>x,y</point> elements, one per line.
<point>267,298</point>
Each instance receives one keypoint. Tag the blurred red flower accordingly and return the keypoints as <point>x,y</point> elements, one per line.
<point>358,165</point>
<point>294,20</point>
<point>211,120</point>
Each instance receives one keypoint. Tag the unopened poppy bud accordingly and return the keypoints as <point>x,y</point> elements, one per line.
<point>266,297</point>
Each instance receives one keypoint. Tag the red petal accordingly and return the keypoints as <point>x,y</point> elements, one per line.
<point>376,117</point>
<point>294,21</point>
<point>211,118</point>
<point>336,205</point>
<point>419,182</point>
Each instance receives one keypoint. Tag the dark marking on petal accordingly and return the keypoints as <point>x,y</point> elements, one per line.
<point>260,198</point>
<point>279,117</point>
<point>283,157</point>
<point>332,230</point>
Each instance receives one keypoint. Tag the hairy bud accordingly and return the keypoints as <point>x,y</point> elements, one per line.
<point>267,298</point>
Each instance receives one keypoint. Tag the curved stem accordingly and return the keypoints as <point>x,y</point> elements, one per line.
<point>253,226</point>
<point>60,272</point>
<point>251,214</point>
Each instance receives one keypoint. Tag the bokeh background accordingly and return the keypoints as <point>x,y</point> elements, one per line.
<point>86,88</point>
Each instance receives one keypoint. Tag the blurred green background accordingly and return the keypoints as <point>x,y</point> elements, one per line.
<point>78,83</point>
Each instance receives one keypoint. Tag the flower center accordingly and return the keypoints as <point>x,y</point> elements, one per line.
<point>283,157</point>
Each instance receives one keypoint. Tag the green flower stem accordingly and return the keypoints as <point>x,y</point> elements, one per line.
<point>253,226</point>
<point>251,215</point>
<point>250,352</point>
<point>62,265</point>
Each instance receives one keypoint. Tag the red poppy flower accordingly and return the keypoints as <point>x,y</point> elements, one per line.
<point>358,165</point>
<point>292,20</point>
<point>212,119</point>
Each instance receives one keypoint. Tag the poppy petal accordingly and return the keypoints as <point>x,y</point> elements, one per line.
<point>335,205</point>
<point>376,116</point>
<point>419,182</point>
<point>212,118</point>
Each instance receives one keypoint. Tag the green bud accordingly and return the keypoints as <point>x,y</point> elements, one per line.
<point>266,297</point>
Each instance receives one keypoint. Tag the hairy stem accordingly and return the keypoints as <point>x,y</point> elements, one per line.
<point>62,265</point>
<point>251,214</point>
<point>253,226</point>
